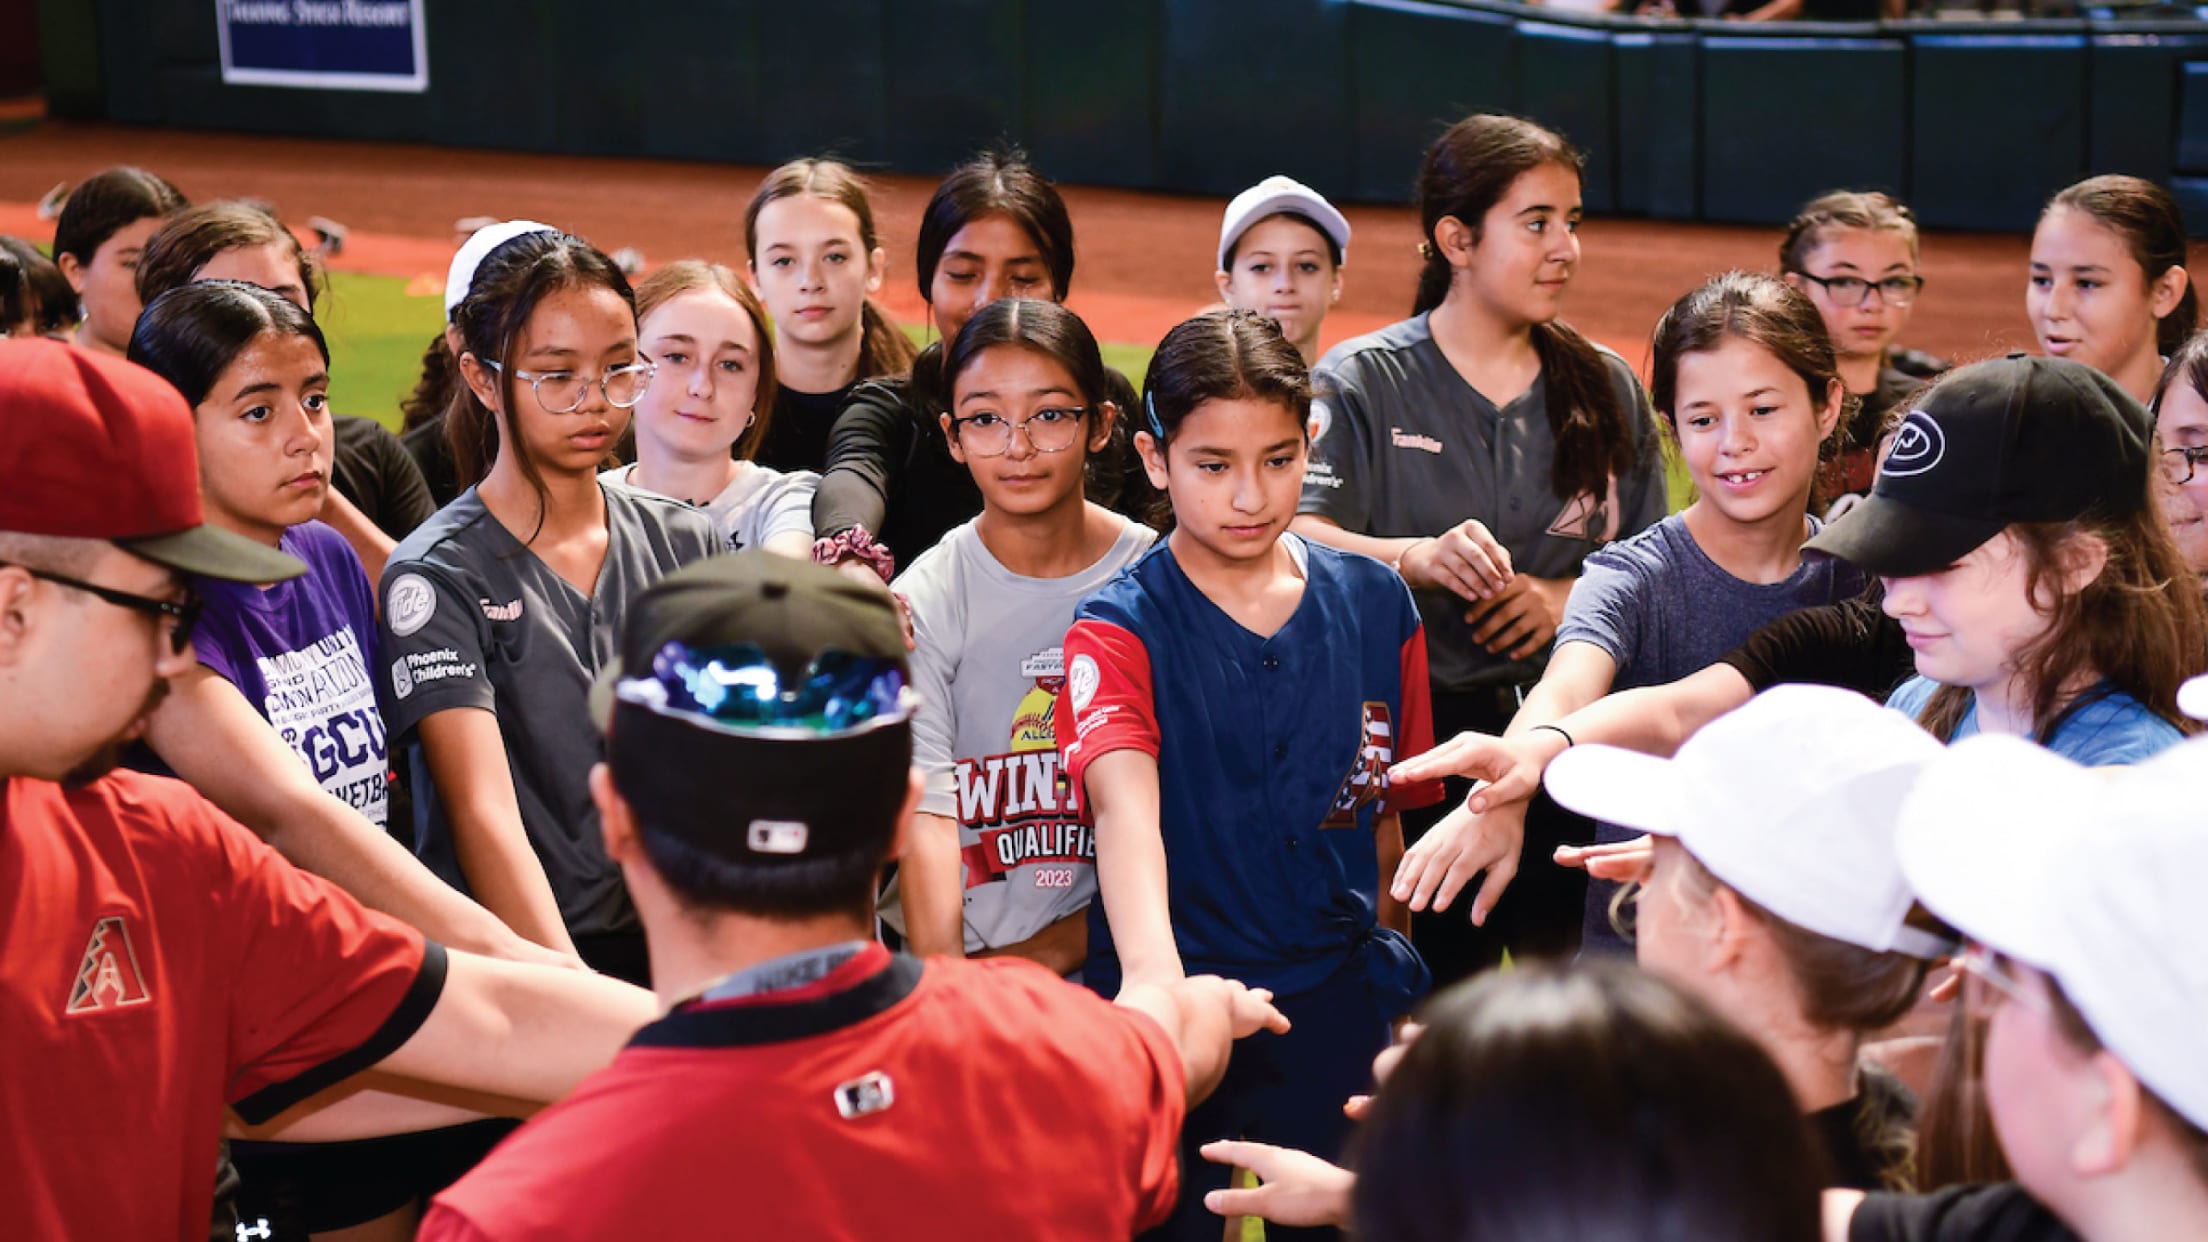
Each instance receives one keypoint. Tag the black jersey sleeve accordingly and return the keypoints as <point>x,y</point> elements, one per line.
<point>1851,644</point>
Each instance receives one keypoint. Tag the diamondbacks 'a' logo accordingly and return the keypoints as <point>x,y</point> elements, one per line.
<point>109,977</point>
<point>1368,775</point>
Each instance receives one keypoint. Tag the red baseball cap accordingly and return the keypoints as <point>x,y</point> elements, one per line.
<point>93,447</point>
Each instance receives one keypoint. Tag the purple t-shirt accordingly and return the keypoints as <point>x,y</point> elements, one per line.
<point>300,652</point>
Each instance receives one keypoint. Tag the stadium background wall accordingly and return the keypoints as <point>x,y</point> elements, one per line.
<point>1974,123</point>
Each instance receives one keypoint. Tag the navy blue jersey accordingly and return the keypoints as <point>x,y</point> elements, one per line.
<point>1272,759</point>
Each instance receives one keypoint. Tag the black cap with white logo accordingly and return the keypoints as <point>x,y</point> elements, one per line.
<point>2016,439</point>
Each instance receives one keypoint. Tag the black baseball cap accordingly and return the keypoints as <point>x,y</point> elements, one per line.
<point>758,709</point>
<point>2015,439</point>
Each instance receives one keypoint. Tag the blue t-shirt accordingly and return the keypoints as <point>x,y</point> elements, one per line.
<point>300,652</point>
<point>1272,755</point>
<point>1662,609</point>
<point>2105,728</point>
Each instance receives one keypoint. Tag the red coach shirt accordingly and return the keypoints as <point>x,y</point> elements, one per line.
<point>156,962</point>
<point>964,1100</point>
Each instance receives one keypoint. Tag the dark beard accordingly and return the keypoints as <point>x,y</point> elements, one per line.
<point>110,755</point>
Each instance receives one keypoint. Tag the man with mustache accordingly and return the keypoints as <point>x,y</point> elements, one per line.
<point>158,963</point>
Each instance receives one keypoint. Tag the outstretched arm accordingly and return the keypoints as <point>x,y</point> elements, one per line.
<point>211,737</point>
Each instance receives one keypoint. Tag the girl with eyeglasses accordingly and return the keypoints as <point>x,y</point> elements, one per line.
<point>709,407</point>
<point>2181,448</point>
<point>1001,860</point>
<point>1231,701</point>
<point>2108,285</point>
<point>498,611</point>
<point>1855,254</point>
<point>995,228</point>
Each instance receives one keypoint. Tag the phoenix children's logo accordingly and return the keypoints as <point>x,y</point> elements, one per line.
<point>1368,774</point>
<point>1918,446</point>
<point>109,977</point>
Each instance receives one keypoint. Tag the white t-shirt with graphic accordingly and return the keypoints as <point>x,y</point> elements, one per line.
<point>988,665</point>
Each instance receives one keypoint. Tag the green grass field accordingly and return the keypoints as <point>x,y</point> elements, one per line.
<point>377,334</point>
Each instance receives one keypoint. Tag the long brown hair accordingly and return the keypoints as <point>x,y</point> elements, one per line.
<point>2147,217</point>
<point>685,275</point>
<point>509,284</point>
<point>2139,625</point>
<point>1466,172</point>
<point>884,349</point>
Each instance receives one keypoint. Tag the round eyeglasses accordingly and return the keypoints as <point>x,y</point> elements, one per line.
<point>563,392</point>
<point>2178,464</point>
<point>1048,431</point>
<point>1854,290</point>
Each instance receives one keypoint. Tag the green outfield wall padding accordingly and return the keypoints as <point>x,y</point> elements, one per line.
<point>1247,88</point>
<point>1973,123</point>
<point>1808,114</point>
<point>1416,69</point>
<point>1998,122</point>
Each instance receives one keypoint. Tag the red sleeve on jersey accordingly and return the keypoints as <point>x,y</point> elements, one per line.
<point>446,1224</point>
<point>324,986</point>
<point>1417,734</point>
<point>1106,704</point>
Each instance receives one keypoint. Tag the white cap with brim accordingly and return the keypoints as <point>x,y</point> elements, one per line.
<point>1271,197</point>
<point>2091,875</point>
<point>473,251</point>
<point>1789,800</point>
<point>2192,698</point>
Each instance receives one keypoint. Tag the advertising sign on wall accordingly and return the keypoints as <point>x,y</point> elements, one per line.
<point>348,45</point>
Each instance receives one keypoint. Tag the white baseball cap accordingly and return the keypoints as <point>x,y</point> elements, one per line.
<point>1273,195</point>
<point>473,251</point>
<point>2192,697</point>
<point>2091,875</point>
<point>1790,800</point>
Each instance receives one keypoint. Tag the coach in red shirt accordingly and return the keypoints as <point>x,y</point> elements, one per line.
<point>807,1083</point>
<point>157,961</point>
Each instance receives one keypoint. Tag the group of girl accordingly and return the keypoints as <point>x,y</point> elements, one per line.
<point>1196,774</point>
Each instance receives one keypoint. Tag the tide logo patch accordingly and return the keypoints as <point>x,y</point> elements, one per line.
<point>410,603</point>
<point>108,977</point>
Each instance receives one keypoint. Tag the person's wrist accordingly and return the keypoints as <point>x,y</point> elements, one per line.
<point>1402,558</point>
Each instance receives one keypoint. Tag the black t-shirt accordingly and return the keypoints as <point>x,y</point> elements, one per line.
<point>433,456</point>
<point>374,471</point>
<point>1853,645</point>
<point>797,436</point>
<point>1996,1213</point>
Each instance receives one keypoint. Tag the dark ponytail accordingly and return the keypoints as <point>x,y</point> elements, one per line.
<point>1466,172</point>
<point>512,279</point>
<point>2148,219</point>
<point>433,391</point>
<point>1222,355</point>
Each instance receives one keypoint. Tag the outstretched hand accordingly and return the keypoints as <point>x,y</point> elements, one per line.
<point>1511,767</point>
<point>1438,865</point>
<point>1294,1188</point>
<point>1623,862</point>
